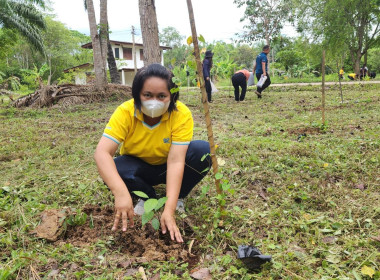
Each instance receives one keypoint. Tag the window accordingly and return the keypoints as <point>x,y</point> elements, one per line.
<point>117,53</point>
<point>127,53</point>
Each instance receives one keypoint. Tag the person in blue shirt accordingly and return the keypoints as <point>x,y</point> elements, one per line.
<point>207,65</point>
<point>261,69</point>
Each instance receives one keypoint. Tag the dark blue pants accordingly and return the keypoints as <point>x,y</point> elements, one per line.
<point>141,176</point>
<point>265,85</point>
<point>208,90</point>
<point>239,80</point>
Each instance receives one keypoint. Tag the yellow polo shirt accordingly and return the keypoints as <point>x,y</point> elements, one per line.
<point>149,143</point>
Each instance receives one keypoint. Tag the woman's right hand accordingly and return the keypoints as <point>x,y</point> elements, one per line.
<point>123,210</point>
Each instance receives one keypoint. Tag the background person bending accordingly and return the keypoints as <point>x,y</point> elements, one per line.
<point>154,131</point>
<point>239,79</point>
<point>261,68</point>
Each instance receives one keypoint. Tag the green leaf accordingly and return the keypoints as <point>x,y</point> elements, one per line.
<point>205,170</point>
<point>357,276</point>
<point>141,194</point>
<point>204,156</point>
<point>218,176</point>
<point>150,204</point>
<point>160,203</point>
<point>202,39</point>
<point>237,208</point>
<point>146,217</point>
<point>174,90</point>
<point>155,223</point>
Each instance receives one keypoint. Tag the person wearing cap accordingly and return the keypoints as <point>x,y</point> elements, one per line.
<point>239,79</point>
<point>154,131</point>
<point>261,69</point>
<point>207,65</point>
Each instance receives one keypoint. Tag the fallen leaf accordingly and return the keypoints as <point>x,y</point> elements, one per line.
<point>376,238</point>
<point>329,239</point>
<point>366,270</point>
<point>131,272</point>
<point>125,264</point>
<point>262,194</point>
<point>360,187</point>
<point>201,274</point>
<point>221,162</point>
<point>236,172</point>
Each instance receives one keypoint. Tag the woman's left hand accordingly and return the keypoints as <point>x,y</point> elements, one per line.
<point>168,224</point>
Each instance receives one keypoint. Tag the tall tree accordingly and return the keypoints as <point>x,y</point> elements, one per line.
<point>342,23</point>
<point>149,30</point>
<point>265,18</point>
<point>99,62</point>
<point>25,17</point>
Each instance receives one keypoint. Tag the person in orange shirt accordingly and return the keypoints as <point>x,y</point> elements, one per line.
<point>239,79</point>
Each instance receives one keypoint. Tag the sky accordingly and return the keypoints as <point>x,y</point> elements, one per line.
<point>214,19</point>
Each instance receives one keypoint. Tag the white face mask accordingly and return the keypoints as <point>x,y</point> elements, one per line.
<point>154,108</point>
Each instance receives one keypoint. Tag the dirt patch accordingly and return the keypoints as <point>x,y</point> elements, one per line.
<point>140,244</point>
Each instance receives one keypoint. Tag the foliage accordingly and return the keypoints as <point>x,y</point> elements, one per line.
<point>339,24</point>
<point>151,207</point>
<point>25,17</point>
<point>169,36</point>
<point>34,77</point>
<point>265,18</point>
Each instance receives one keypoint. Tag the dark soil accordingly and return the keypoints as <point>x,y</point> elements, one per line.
<point>140,244</point>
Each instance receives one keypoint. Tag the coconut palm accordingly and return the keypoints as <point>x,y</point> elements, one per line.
<point>24,16</point>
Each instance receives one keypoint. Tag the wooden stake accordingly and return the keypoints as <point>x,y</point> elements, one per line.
<point>204,95</point>
<point>323,88</point>
<point>340,82</point>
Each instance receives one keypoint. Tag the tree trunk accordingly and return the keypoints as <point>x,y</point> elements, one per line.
<point>115,76</point>
<point>103,31</point>
<point>100,71</point>
<point>149,30</point>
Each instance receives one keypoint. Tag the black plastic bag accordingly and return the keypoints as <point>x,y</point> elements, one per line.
<point>252,257</point>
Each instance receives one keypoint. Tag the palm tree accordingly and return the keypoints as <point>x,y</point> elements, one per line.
<point>24,17</point>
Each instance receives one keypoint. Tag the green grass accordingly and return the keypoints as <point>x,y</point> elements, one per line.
<point>307,79</point>
<point>295,197</point>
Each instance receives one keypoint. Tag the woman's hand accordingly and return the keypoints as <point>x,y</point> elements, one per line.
<point>168,223</point>
<point>123,210</point>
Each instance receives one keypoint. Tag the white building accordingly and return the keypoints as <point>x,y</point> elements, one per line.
<point>123,52</point>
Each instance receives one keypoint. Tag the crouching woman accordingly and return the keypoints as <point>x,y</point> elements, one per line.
<point>154,130</point>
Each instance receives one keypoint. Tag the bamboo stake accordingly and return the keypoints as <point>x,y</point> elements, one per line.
<point>340,82</point>
<point>204,95</point>
<point>323,88</point>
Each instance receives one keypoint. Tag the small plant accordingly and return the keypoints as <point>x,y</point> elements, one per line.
<point>151,207</point>
<point>78,219</point>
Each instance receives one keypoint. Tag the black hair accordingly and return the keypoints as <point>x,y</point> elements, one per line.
<point>266,47</point>
<point>154,70</point>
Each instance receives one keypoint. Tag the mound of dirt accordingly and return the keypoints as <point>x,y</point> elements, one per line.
<point>143,244</point>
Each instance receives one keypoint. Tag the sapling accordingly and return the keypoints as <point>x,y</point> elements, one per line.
<point>151,208</point>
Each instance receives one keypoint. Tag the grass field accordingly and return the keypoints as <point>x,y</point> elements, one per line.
<point>305,193</point>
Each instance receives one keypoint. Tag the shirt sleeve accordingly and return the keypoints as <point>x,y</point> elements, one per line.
<point>118,125</point>
<point>183,124</point>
